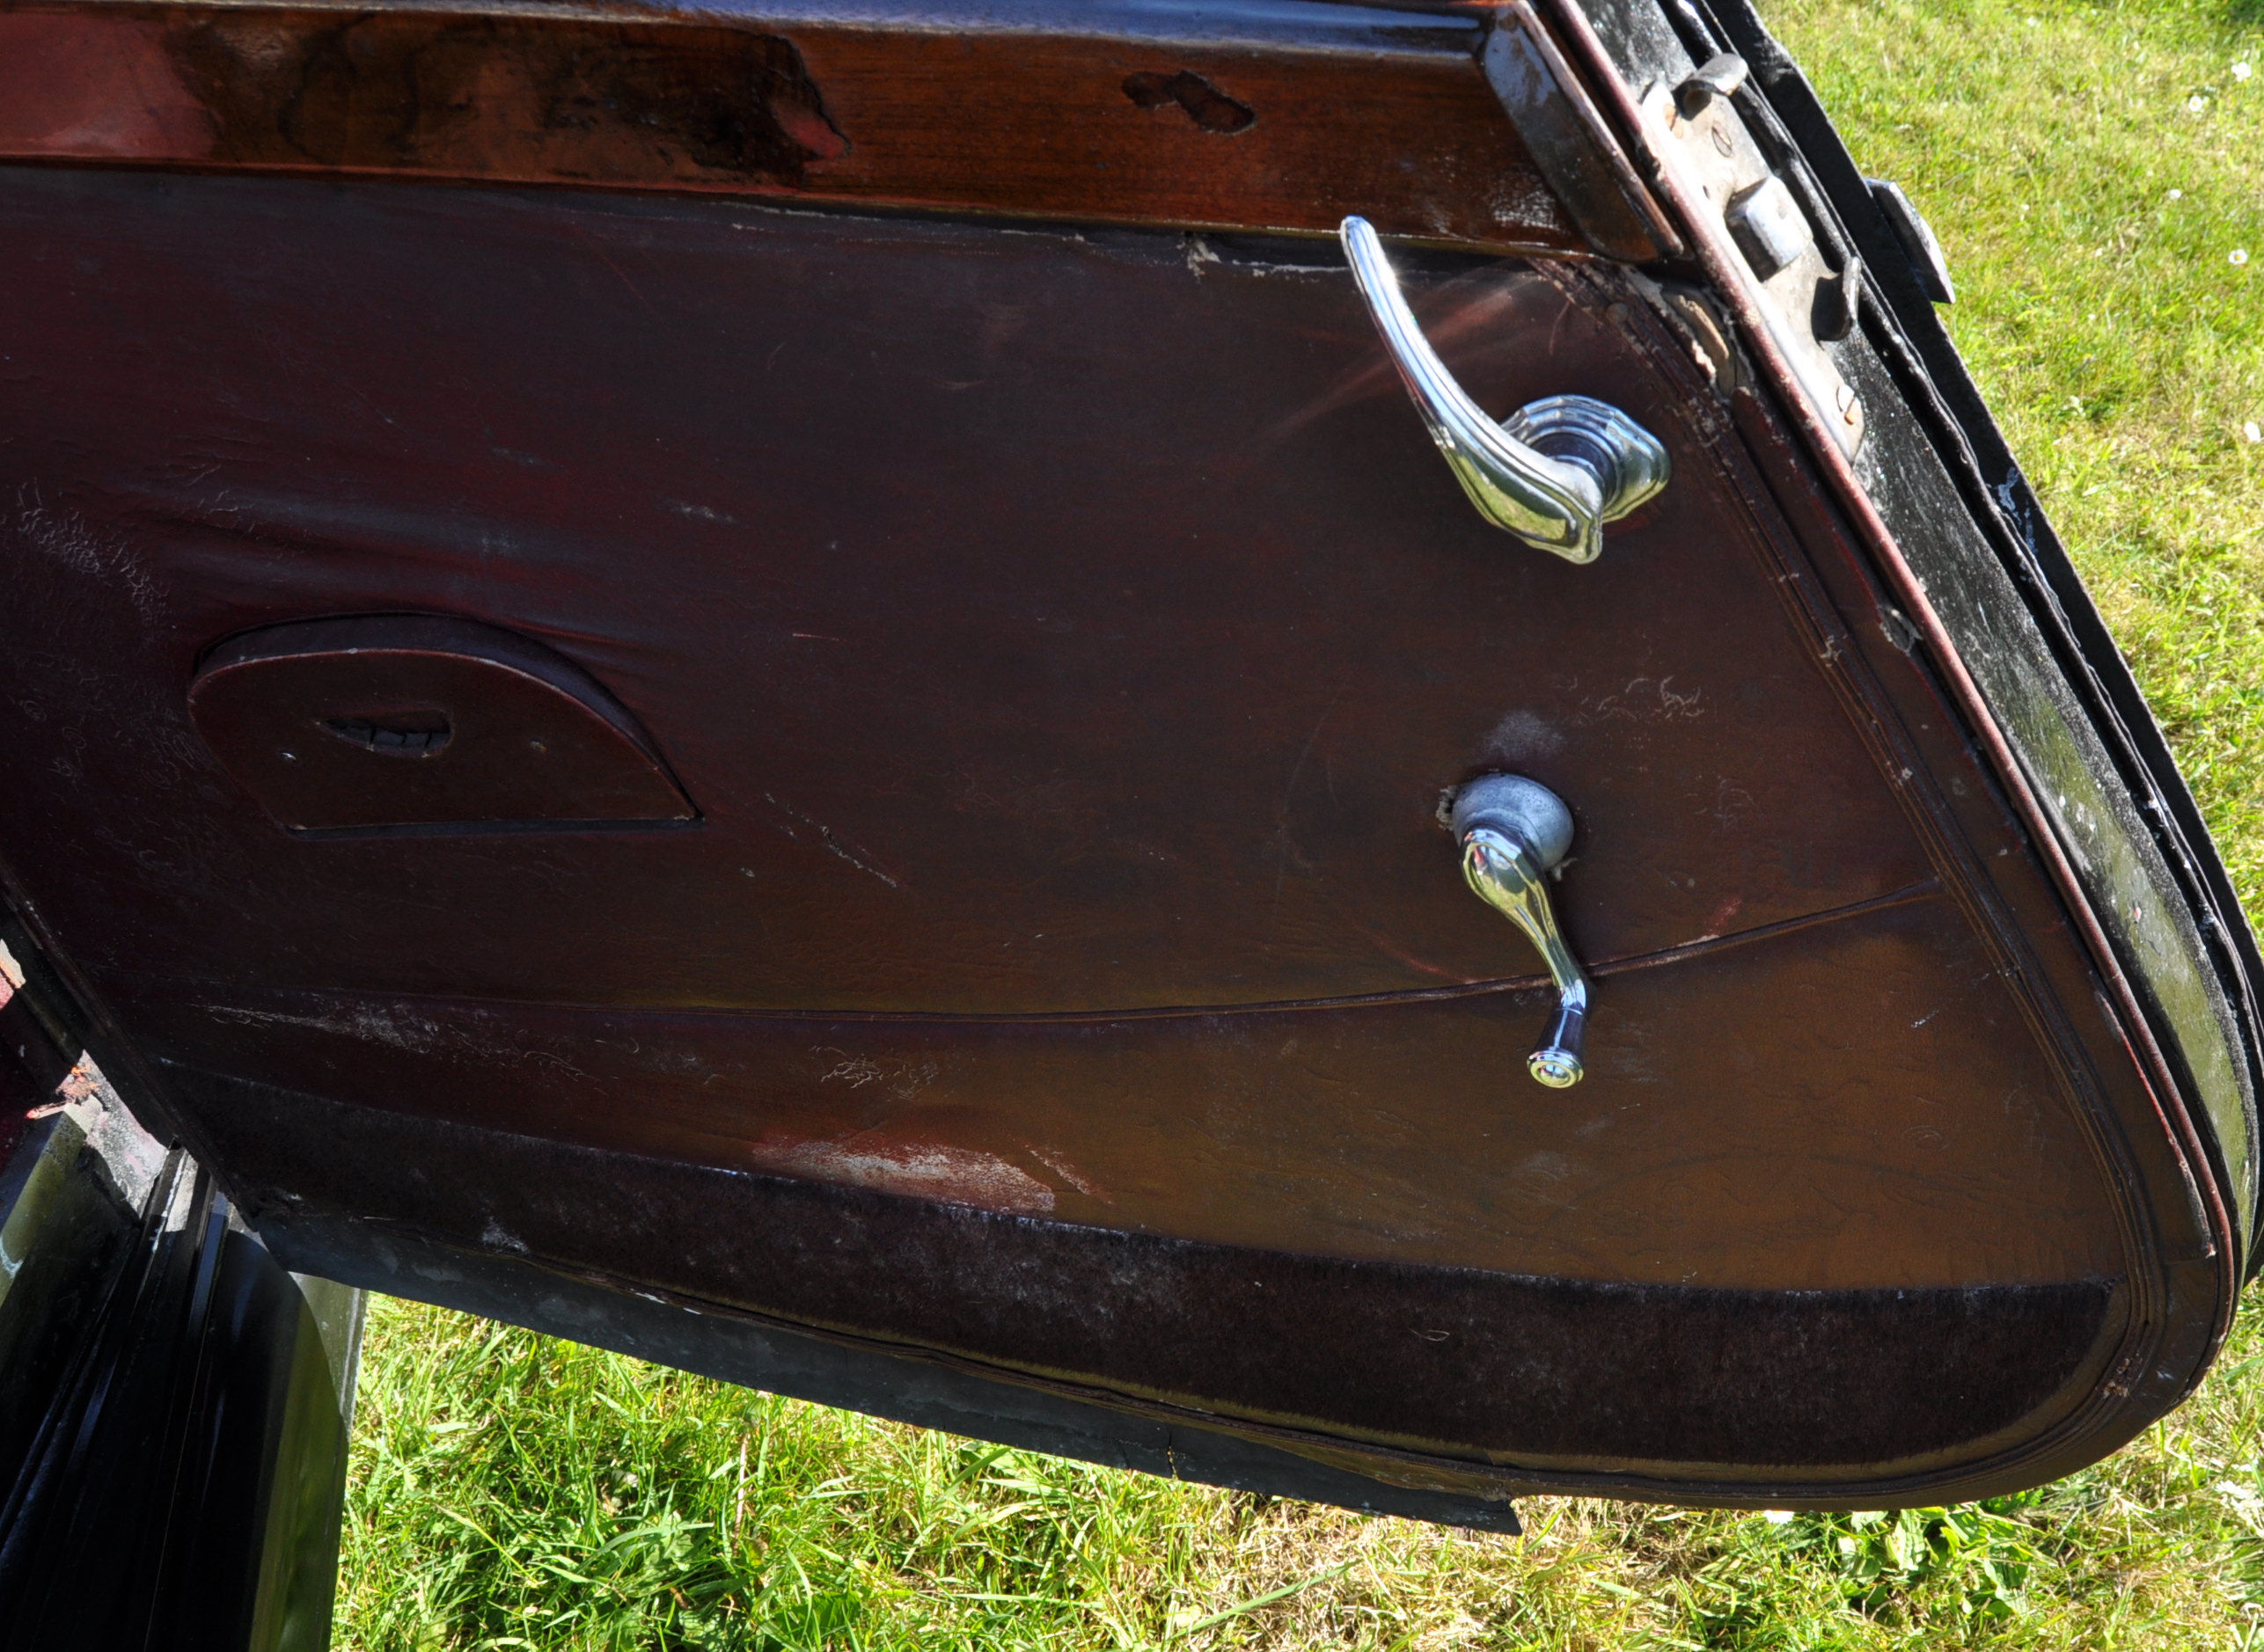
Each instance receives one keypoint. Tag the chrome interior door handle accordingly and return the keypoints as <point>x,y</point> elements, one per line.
<point>1513,833</point>
<point>1554,472</point>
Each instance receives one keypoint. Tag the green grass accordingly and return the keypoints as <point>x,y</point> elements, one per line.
<point>509,1490</point>
<point>513,1491</point>
<point>2091,214</point>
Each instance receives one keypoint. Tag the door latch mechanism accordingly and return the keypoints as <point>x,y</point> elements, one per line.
<point>1513,833</point>
<point>1554,472</point>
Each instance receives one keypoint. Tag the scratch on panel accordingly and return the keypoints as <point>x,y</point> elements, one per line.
<point>1285,846</point>
<point>909,1078</point>
<point>1068,1172</point>
<point>1398,953</point>
<point>1732,803</point>
<point>832,844</point>
<point>1646,699</point>
<point>856,1072</point>
<point>496,1238</point>
<point>918,1170</point>
<point>411,1034</point>
<point>64,537</point>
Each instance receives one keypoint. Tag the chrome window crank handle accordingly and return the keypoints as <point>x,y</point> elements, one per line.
<point>1513,832</point>
<point>1554,472</point>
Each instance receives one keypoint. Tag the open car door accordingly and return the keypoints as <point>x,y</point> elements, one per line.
<point>798,689</point>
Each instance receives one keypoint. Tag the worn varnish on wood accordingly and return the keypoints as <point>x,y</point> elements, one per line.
<point>1182,114</point>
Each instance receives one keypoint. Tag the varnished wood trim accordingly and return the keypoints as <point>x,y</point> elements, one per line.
<point>1279,118</point>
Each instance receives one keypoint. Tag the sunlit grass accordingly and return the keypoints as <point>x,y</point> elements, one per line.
<point>2093,171</point>
<point>512,1491</point>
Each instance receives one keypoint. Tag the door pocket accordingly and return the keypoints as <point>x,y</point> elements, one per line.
<point>396,720</point>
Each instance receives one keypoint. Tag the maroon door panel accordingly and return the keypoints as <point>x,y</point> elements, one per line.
<point>1423,1376</point>
<point>1753,1115</point>
<point>995,696</point>
<point>884,775</point>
